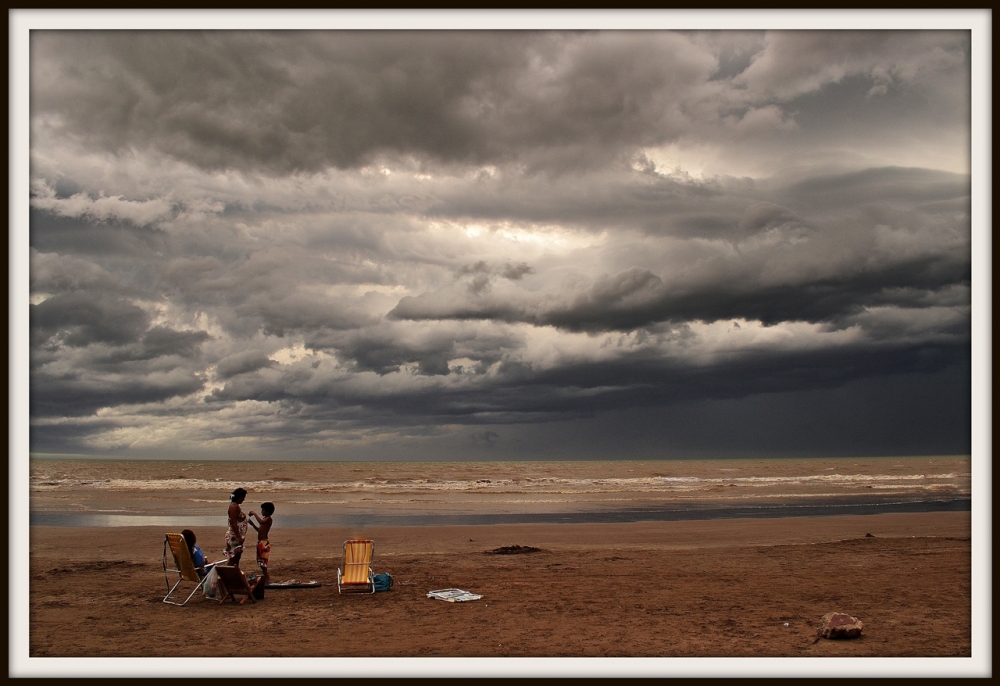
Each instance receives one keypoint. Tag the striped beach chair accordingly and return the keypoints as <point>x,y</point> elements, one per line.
<point>356,576</point>
<point>178,561</point>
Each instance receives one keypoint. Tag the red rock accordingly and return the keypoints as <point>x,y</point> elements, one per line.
<point>839,625</point>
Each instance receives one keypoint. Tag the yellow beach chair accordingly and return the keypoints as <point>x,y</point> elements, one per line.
<point>178,561</point>
<point>357,573</point>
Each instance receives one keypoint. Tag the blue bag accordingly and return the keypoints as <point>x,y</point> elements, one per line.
<point>383,582</point>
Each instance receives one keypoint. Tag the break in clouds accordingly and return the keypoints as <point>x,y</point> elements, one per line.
<point>453,245</point>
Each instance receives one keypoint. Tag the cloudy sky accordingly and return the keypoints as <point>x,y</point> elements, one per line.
<point>499,245</point>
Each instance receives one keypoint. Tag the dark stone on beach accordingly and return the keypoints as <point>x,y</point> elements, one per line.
<point>837,625</point>
<point>513,550</point>
<point>869,535</point>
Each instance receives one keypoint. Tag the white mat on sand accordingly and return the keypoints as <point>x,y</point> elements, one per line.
<point>453,595</point>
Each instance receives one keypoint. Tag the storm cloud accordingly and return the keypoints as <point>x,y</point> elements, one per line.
<point>447,244</point>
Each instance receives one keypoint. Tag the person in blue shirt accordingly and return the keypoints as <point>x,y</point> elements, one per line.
<point>197,556</point>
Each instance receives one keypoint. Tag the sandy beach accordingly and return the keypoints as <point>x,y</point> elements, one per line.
<point>709,588</point>
<point>741,579</point>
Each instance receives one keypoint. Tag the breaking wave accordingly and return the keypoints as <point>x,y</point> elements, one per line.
<point>542,485</point>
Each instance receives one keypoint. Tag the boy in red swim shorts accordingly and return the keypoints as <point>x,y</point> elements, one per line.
<point>263,527</point>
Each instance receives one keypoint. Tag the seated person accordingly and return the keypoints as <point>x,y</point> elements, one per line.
<point>197,556</point>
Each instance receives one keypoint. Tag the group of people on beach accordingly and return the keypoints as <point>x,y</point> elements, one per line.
<point>236,535</point>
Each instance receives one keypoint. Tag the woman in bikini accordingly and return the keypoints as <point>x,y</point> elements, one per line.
<point>237,528</point>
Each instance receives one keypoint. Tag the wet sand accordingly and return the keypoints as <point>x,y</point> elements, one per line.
<point>733,588</point>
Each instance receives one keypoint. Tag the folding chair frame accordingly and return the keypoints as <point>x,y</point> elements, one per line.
<point>177,568</point>
<point>357,587</point>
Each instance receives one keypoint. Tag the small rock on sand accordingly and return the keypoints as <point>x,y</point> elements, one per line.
<point>839,625</point>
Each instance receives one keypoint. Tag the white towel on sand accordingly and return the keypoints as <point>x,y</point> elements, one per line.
<point>453,595</point>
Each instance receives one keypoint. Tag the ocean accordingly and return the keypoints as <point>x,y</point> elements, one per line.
<point>133,493</point>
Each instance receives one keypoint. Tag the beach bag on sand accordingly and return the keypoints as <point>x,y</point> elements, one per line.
<point>383,582</point>
<point>210,586</point>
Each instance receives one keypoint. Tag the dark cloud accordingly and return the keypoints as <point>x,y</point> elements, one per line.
<point>66,435</point>
<point>763,216</point>
<point>514,272</point>
<point>655,203</point>
<point>274,100</point>
<point>78,393</point>
<point>300,101</point>
<point>913,239</point>
<point>54,234</point>
<point>793,63</point>
<point>636,298</point>
<point>162,340</point>
<point>916,414</point>
<point>243,362</point>
<point>518,394</point>
<point>884,186</point>
<point>314,239</point>
<point>383,352</point>
<point>78,319</point>
<point>483,274</point>
<point>485,438</point>
<point>54,273</point>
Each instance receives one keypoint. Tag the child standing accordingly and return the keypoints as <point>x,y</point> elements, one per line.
<point>263,527</point>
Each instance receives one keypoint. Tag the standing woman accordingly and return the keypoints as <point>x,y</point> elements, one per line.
<point>237,531</point>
